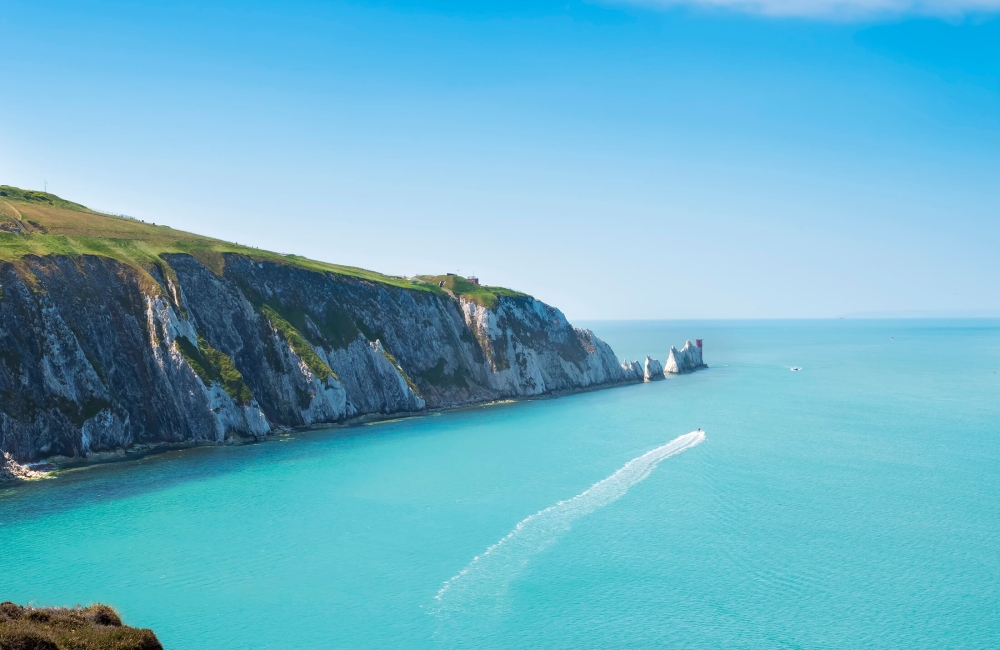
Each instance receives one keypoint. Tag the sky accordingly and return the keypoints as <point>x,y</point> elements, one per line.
<point>619,159</point>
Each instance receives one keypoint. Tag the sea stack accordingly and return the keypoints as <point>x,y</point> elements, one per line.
<point>654,369</point>
<point>687,359</point>
<point>633,369</point>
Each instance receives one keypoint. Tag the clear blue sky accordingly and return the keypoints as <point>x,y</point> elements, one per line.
<point>723,158</point>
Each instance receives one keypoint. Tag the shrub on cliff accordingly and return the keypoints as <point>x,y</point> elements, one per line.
<point>97,627</point>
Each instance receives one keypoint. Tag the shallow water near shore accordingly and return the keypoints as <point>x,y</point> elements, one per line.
<point>855,503</point>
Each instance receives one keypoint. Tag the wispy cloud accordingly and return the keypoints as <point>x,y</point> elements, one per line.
<point>837,9</point>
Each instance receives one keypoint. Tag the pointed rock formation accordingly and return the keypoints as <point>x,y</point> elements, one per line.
<point>654,369</point>
<point>633,369</point>
<point>687,359</point>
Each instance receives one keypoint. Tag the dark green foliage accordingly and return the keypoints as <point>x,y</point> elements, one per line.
<point>211,365</point>
<point>195,359</point>
<point>97,627</point>
<point>338,328</point>
<point>436,376</point>
<point>406,377</point>
<point>298,344</point>
<point>334,329</point>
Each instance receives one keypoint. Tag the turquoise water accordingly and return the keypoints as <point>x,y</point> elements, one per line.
<point>854,504</point>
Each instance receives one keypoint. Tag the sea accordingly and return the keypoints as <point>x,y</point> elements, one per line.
<point>854,503</point>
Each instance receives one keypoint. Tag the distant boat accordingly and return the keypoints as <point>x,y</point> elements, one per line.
<point>796,369</point>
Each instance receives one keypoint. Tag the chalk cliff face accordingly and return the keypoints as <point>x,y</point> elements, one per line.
<point>687,359</point>
<point>634,369</point>
<point>531,349</point>
<point>97,356</point>
<point>653,369</point>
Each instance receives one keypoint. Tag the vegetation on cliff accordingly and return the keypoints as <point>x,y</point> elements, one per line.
<point>97,627</point>
<point>298,344</point>
<point>110,329</point>
<point>482,294</point>
<point>211,365</point>
<point>38,223</point>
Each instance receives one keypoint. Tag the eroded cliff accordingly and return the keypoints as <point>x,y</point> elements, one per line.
<point>118,335</point>
<point>95,357</point>
<point>687,359</point>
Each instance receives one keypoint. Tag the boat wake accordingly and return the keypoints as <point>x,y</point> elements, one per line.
<point>483,583</point>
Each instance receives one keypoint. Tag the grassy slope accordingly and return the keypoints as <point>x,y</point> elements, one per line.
<point>37,223</point>
<point>97,627</point>
<point>51,226</point>
<point>486,296</point>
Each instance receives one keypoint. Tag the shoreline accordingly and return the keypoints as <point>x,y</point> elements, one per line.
<point>50,468</point>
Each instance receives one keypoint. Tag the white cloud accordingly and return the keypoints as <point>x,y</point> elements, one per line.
<point>843,9</point>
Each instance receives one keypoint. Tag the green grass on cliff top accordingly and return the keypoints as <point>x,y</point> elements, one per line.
<point>486,296</point>
<point>38,223</point>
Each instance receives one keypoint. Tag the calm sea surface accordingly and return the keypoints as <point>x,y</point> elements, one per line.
<point>854,504</point>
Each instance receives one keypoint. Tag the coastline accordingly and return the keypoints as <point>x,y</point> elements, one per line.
<point>50,468</point>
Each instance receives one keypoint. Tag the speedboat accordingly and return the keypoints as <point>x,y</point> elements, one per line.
<point>796,369</point>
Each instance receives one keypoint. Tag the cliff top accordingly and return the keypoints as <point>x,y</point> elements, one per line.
<point>97,627</point>
<point>484,295</point>
<point>39,223</point>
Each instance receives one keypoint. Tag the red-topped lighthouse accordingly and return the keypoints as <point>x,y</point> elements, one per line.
<point>697,343</point>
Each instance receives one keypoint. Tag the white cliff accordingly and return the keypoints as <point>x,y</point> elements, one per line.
<point>633,369</point>
<point>372,382</point>
<point>687,359</point>
<point>212,412</point>
<point>532,349</point>
<point>98,358</point>
<point>653,370</point>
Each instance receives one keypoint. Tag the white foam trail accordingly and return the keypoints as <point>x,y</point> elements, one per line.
<point>484,581</point>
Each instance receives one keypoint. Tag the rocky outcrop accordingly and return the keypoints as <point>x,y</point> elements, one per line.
<point>653,370</point>
<point>531,349</point>
<point>97,356</point>
<point>687,359</point>
<point>633,369</point>
<point>11,470</point>
<point>97,627</point>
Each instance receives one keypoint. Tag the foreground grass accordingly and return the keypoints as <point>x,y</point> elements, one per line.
<point>97,627</point>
